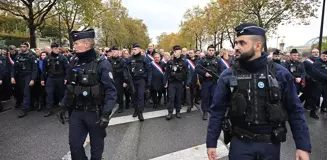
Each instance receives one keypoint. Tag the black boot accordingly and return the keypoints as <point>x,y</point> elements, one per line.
<point>169,116</point>
<point>140,116</point>
<point>48,113</point>
<point>22,113</point>
<point>178,115</point>
<point>155,106</point>
<point>121,108</point>
<point>313,114</point>
<point>323,110</point>
<point>189,108</point>
<point>17,105</point>
<point>39,106</point>
<point>205,116</point>
<point>135,113</point>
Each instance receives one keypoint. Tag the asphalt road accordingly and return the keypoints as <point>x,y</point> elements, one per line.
<point>37,138</point>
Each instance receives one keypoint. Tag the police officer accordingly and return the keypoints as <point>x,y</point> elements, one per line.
<point>176,74</point>
<point>252,101</point>
<point>140,69</point>
<point>92,95</point>
<point>2,75</point>
<point>276,56</point>
<point>119,72</point>
<point>296,68</point>
<point>54,72</point>
<point>208,69</point>
<point>157,85</point>
<point>24,73</point>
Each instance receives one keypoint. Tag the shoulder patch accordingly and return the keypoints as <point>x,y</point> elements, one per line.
<point>110,75</point>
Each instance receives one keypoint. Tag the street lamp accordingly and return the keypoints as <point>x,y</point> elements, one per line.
<point>322,25</point>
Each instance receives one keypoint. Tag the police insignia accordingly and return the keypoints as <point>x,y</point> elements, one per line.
<point>35,61</point>
<point>111,76</point>
<point>261,85</point>
<point>85,93</point>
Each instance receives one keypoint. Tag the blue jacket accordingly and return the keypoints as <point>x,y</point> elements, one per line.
<point>317,72</point>
<point>290,101</point>
<point>287,65</point>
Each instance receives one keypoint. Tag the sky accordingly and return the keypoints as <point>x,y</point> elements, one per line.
<point>166,16</point>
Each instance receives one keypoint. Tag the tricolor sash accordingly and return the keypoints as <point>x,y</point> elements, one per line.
<point>191,64</point>
<point>150,57</point>
<point>155,65</point>
<point>309,60</point>
<point>225,62</point>
<point>10,60</point>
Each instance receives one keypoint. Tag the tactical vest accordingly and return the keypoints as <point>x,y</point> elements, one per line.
<point>177,70</point>
<point>24,62</point>
<point>117,65</point>
<point>84,88</point>
<point>211,64</point>
<point>295,69</point>
<point>55,66</point>
<point>137,66</point>
<point>256,98</point>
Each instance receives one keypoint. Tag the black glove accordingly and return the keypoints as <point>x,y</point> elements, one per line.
<point>61,113</point>
<point>104,120</point>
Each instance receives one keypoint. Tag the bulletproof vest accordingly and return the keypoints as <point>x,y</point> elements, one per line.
<point>24,62</point>
<point>117,65</point>
<point>55,66</point>
<point>295,69</point>
<point>84,88</point>
<point>211,64</point>
<point>255,100</point>
<point>137,66</point>
<point>177,70</point>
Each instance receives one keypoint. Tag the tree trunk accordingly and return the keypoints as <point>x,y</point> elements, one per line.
<point>71,43</point>
<point>221,40</point>
<point>32,29</point>
<point>230,39</point>
<point>196,41</point>
<point>215,40</point>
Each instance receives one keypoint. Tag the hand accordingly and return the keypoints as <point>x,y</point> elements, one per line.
<point>302,155</point>
<point>42,83</point>
<point>208,75</point>
<point>13,81</point>
<point>124,85</point>
<point>31,83</point>
<point>65,81</point>
<point>298,80</point>
<point>212,153</point>
<point>61,113</point>
<point>104,120</point>
<point>187,86</point>
<point>0,82</point>
<point>166,86</point>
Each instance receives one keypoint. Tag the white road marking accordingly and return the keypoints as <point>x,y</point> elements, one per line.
<point>195,153</point>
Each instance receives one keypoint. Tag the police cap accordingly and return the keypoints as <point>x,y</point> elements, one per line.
<point>136,45</point>
<point>249,29</point>
<point>77,35</point>
<point>54,45</point>
<point>294,51</point>
<point>177,47</point>
<point>114,48</point>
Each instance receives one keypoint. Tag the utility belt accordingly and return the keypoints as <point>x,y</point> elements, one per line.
<point>278,135</point>
<point>87,108</point>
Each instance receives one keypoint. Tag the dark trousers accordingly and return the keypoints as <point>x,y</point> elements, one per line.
<point>156,96</point>
<point>313,93</point>
<point>55,90</point>
<point>193,90</point>
<point>80,124</point>
<point>23,91</point>
<point>127,96</point>
<point>174,96</point>
<point>138,97</point>
<point>207,91</point>
<point>120,91</point>
<point>253,150</point>
<point>5,88</point>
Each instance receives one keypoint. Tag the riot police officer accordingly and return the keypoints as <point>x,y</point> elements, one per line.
<point>276,56</point>
<point>177,73</point>
<point>54,72</point>
<point>140,69</point>
<point>2,75</point>
<point>119,72</point>
<point>296,68</point>
<point>91,94</point>
<point>252,101</point>
<point>208,69</point>
<point>24,74</point>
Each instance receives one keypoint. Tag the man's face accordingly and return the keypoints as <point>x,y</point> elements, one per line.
<point>177,53</point>
<point>287,56</point>
<point>161,51</point>
<point>191,53</point>
<point>55,50</point>
<point>323,57</point>
<point>315,52</point>
<point>43,55</point>
<point>24,48</point>
<point>231,53</point>
<point>276,57</point>
<point>184,51</point>
<point>295,56</point>
<point>150,47</point>
<point>211,51</point>
<point>80,46</point>
<point>156,58</point>
<point>115,53</point>
<point>12,51</point>
<point>136,51</point>
<point>244,48</point>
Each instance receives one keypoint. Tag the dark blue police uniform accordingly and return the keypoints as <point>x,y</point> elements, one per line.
<point>141,72</point>
<point>257,96</point>
<point>2,75</point>
<point>24,70</point>
<point>92,95</point>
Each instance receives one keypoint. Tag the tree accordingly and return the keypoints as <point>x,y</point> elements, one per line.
<point>34,12</point>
